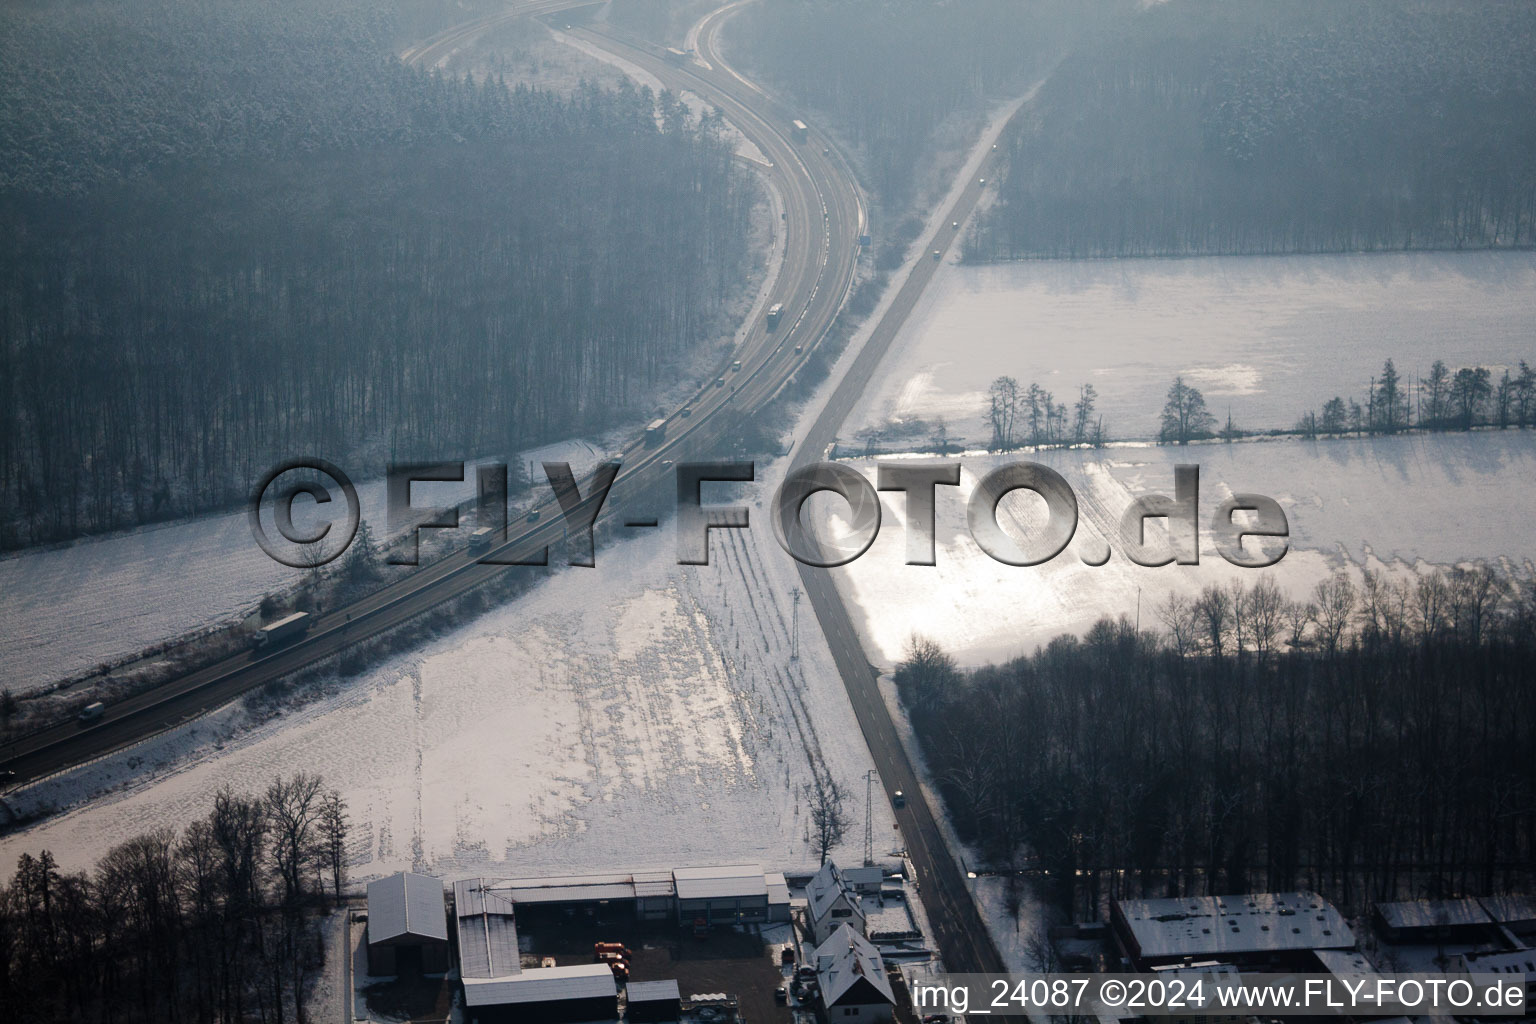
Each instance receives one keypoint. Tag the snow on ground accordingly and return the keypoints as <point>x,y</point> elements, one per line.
<point>637,715</point>
<point>68,609</point>
<point>1271,337</point>
<point>1394,503</point>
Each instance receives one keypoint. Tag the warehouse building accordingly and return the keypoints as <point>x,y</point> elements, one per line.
<point>1250,931</point>
<point>703,896</point>
<point>486,929</point>
<point>546,995</point>
<point>1426,922</point>
<point>407,926</point>
<point>1515,914</point>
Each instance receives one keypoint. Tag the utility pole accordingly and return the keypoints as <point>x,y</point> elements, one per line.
<point>869,819</point>
<point>794,627</point>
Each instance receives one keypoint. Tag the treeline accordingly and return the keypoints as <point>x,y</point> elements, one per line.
<point>215,924</point>
<point>1032,416</point>
<point>1446,399</point>
<point>1374,742</point>
<point>890,72</point>
<point>271,239</point>
<point>1210,127</point>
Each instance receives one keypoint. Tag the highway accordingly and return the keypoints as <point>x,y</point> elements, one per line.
<point>824,218</point>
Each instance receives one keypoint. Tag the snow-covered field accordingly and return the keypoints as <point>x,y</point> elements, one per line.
<point>639,714</point>
<point>68,609</point>
<point>1394,503</point>
<point>1269,337</point>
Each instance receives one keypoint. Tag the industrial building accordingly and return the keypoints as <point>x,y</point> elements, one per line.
<point>1426,922</point>
<point>851,981</point>
<point>1249,931</point>
<point>486,929</point>
<point>545,995</point>
<point>407,926</point>
<point>700,896</point>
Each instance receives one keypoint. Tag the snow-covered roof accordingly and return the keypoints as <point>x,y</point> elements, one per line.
<point>1518,961</point>
<point>1204,968</point>
<point>543,984</point>
<point>845,959</point>
<point>1510,909</point>
<point>1432,913</point>
<point>1254,923</point>
<point>652,991</point>
<point>822,891</point>
<point>871,877</point>
<point>1343,962</point>
<point>732,880</point>
<point>778,888</point>
<point>406,904</point>
<point>477,896</point>
<point>724,882</point>
<point>653,883</point>
<point>487,931</point>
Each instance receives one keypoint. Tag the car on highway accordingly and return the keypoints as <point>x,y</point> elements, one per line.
<point>736,364</point>
<point>898,799</point>
<point>719,382</point>
<point>533,516</point>
<point>937,254</point>
<point>687,411</point>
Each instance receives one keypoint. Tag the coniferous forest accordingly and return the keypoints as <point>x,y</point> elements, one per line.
<point>1210,127</point>
<point>239,233</point>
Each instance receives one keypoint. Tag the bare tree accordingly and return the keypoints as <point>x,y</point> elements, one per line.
<point>1298,616</point>
<point>1265,605</point>
<point>333,838</point>
<point>1334,601</point>
<point>294,810</point>
<point>1213,611</point>
<point>927,672</point>
<point>830,820</point>
<point>1178,619</point>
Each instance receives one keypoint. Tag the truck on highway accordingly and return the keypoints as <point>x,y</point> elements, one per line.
<point>286,628</point>
<point>775,313</point>
<point>799,130</point>
<point>656,432</point>
<point>480,540</point>
<point>676,56</point>
<point>91,712</point>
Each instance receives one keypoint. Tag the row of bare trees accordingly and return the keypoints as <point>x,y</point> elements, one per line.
<point>215,923</point>
<point>1444,399</point>
<point>1033,416</point>
<point>1373,741</point>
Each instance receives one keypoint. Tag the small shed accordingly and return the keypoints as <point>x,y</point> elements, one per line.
<point>654,1002</point>
<point>407,926</point>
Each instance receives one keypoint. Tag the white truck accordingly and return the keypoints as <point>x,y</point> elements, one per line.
<point>286,628</point>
